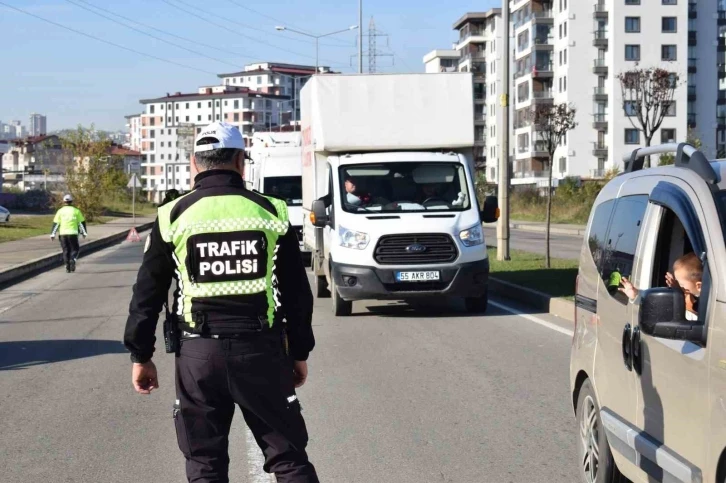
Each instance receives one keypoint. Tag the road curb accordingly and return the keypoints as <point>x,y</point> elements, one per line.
<point>560,307</point>
<point>36,266</point>
<point>555,230</point>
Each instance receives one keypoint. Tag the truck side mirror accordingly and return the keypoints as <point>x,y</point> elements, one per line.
<point>319,215</point>
<point>663,314</point>
<point>490,212</point>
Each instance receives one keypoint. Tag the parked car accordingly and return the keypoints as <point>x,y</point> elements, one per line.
<point>4,215</point>
<point>648,377</point>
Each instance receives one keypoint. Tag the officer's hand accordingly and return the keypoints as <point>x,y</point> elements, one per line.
<point>144,377</point>
<point>52,237</point>
<point>300,372</point>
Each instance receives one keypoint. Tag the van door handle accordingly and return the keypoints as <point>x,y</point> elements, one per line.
<point>635,352</point>
<point>627,348</point>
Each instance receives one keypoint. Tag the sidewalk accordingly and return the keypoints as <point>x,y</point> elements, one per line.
<point>571,230</point>
<point>22,258</point>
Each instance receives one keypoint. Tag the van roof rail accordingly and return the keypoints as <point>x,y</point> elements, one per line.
<point>687,156</point>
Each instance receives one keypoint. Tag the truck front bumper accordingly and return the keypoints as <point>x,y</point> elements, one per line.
<point>369,283</point>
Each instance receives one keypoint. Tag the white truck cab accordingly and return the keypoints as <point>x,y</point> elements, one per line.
<point>392,223</point>
<point>274,168</point>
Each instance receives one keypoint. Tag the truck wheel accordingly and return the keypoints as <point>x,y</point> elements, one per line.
<point>477,305</point>
<point>596,460</point>
<point>341,308</point>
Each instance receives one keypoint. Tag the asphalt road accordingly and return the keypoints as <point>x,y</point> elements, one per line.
<point>395,393</point>
<point>561,246</point>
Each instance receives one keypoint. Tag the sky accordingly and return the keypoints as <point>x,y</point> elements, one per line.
<point>75,79</point>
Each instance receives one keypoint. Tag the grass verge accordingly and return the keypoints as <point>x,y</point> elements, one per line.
<point>527,269</point>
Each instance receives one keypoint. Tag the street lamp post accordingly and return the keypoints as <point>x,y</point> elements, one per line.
<point>316,37</point>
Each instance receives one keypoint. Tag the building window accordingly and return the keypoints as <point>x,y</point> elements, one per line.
<point>259,80</point>
<point>186,105</point>
<point>632,25</point>
<point>632,52</point>
<point>670,2</point>
<point>217,117</point>
<point>236,117</point>
<point>161,157</point>
<point>217,103</point>
<point>236,104</point>
<point>632,136</point>
<point>177,105</point>
<point>632,2</point>
<point>667,136</point>
<point>151,109</point>
<point>187,119</point>
<point>177,169</point>
<point>563,165</point>
<point>210,104</point>
<point>199,105</point>
<point>670,25</point>
<point>210,117</point>
<point>170,105</point>
<point>168,119</point>
<point>187,169</point>
<point>177,118</point>
<point>199,118</point>
<point>162,107</point>
<point>669,53</point>
<point>225,103</point>
<point>670,108</point>
<point>630,108</point>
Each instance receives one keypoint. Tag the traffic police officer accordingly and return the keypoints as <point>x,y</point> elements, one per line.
<point>239,273</point>
<point>68,223</point>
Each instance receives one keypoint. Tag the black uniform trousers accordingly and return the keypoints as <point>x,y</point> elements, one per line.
<point>253,372</point>
<point>69,244</point>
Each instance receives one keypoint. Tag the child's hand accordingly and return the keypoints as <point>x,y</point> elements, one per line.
<point>628,288</point>
<point>690,302</point>
<point>671,281</point>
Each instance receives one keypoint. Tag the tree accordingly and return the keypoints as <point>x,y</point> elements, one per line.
<point>86,169</point>
<point>551,123</point>
<point>669,159</point>
<point>647,97</point>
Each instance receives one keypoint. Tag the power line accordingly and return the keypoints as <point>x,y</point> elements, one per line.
<point>151,35</point>
<point>214,47</point>
<point>178,64</point>
<point>283,22</point>
<point>198,16</point>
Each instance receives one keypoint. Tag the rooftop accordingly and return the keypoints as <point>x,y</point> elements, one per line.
<point>242,92</point>
<point>474,16</point>
<point>273,68</point>
<point>441,54</point>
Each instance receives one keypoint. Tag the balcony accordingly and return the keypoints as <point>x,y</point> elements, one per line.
<point>480,140</point>
<point>600,121</point>
<point>692,10</point>
<point>600,67</point>
<point>539,149</point>
<point>721,15</point>
<point>543,96</point>
<point>600,94</point>
<point>480,96</point>
<point>545,16</point>
<point>599,150</point>
<point>480,117</point>
<point>600,38</point>
<point>467,32</point>
<point>543,70</point>
<point>692,120</point>
<point>531,174</point>
<point>692,93</point>
<point>601,11</point>
<point>722,97</point>
<point>473,56</point>
<point>543,43</point>
<point>721,121</point>
<point>722,71</point>
<point>692,38</point>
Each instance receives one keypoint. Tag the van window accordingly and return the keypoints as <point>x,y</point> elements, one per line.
<point>621,243</point>
<point>598,230</point>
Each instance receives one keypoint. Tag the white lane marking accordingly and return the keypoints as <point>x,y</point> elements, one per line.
<point>255,461</point>
<point>532,318</point>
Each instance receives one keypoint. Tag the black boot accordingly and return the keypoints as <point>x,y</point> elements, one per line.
<point>68,268</point>
<point>73,265</point>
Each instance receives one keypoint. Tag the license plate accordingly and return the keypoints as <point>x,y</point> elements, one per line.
<point>418,276</point>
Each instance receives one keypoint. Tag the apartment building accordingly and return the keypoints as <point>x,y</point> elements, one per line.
<point>170,123</point>
<point>571,51</point>
<point>480,50</point>
<point>278,79</point>
<point>133,132</point>
<point>442,60</point>
<point>38,125</point>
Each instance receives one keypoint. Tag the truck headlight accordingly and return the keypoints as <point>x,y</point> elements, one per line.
<point>473,236</point>
<point>353,239</point>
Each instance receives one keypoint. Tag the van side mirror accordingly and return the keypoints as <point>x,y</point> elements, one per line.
<point>490,211</point>
<point>319,215</point>
<point>663,314</point>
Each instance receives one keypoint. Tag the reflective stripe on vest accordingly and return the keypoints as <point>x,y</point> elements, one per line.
<point>216,216</point>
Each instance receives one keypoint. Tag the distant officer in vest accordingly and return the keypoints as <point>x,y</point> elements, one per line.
<point>243,307</point>
<point>68,224</point>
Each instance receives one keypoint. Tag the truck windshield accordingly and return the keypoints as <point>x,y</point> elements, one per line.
<point>288,188</point>
<point>406,186</point>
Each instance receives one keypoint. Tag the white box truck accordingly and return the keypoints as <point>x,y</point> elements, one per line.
<point>274,167</point>
<point>388,189</point>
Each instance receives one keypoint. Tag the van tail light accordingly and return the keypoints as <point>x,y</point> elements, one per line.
<point>577,286</point>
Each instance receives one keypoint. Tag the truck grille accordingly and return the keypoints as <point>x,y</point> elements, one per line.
<point>396,249</point>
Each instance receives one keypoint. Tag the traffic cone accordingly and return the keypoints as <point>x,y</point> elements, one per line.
<point>133,236</point>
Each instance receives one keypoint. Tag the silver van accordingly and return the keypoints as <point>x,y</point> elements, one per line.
<point>648,361</point>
